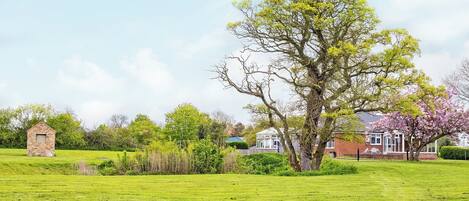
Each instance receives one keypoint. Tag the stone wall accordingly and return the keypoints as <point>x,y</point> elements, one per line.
<point>46,148</point>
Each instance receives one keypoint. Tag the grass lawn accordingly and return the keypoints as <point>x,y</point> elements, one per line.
<point>20,179</point>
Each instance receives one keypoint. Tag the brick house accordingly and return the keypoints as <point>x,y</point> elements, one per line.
<point>41,140</point>
<point>370,143</point>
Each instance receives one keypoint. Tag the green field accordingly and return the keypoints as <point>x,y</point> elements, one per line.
<point>24,178</point>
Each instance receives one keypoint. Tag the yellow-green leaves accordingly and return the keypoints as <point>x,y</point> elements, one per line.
<point>242,4</point>
<point>342,49</point>
<point>232,25</point>
<point>302,7</point>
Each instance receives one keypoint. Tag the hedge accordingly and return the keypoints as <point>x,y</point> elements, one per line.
<point>239,145</point>
<point>455,153</point>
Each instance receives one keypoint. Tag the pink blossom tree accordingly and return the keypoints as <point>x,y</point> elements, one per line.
<point>431,121</point>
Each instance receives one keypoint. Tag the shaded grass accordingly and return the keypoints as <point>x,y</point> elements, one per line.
<point>376,180</point>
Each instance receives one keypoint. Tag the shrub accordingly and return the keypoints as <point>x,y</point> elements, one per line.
<point>107,167</point>
<point>328,167</point>
<point>230,160</point>
<point>239,145</point>
<point>455,153</point>
<point>107,171</point>
<point>164,158</point>
<point>202,157</point>
<point>264,163</point>
<point>206,157</point>
<point>333,167</point>
<point>124,163</point>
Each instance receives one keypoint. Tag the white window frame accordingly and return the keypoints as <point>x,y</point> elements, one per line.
<point>434,145</point>
<point>330,144</point>
<point>376,136</point>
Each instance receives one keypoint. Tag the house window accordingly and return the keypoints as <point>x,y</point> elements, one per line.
<point>431,148</point>
<point>330,144</point>
<point>375,139</point>
<point>41,138</point>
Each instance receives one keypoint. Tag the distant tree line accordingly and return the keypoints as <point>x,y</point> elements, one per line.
<point>184,125</point>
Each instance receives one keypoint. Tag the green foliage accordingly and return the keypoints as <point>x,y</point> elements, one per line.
<point>336,60</point>
<point>264,163</point>
<point>206,157</point>
<point>454,153</point>
<point>15,122</point>
<point>445,141</point>
<point>165,157</point>
<point>124,163</point>
<point>107,167</point>
<point>333,167</point>
<point>69,131</point>
<point>7,135</point>
<point>249,133</point>
<point>277,164</point>
<point>239,145</point>
<point>143,130</point>
<point>107,138</point>
<point>231,158</point>
<point>216,133</point>
<point>185,124</point>
<point>328,167</point>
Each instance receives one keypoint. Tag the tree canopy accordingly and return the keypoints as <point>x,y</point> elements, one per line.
<point>185,124</point>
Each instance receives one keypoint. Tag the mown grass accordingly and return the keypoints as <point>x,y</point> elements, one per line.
<point>376,180</point>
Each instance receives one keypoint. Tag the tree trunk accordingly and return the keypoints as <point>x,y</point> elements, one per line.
<point>306,158</point>
<point>309,139</point>
<point>416,155</point>
<point>294,163</point>
<point>317,156</point>
<point>412,154</point>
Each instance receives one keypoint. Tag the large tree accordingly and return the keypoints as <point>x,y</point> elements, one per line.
<point>431,121</point>
<point>329,54</point>
<point>185,124</point>
<point>144,130</point>
<point>70,133</point>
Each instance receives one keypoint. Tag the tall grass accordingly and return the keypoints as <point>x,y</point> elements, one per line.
<point>168,158</point>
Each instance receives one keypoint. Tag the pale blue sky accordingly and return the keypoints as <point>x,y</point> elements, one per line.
<point>104,57</point>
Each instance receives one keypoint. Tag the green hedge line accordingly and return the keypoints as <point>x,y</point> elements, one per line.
<point>455,153</point>
<point>239,145</point>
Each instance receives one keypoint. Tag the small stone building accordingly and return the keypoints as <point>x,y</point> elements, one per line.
<point>41,140</point>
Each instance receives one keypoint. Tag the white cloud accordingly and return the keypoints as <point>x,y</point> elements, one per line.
<point>86,76</point>
<point>432,21</point>
<point>146,68</point>
<point>213,40</point>
<point>97,111</point>
<point>439,64</point>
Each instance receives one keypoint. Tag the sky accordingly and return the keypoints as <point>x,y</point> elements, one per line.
<point>100,58</point>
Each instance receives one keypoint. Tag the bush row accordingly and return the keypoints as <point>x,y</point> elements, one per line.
<point>455,153</point>
<point>202,157</point>
<point>239,145</point>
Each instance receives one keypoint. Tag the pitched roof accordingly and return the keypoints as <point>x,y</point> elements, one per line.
<point>269,131</point>
<point>234,139</point>
<point>42,124</point>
